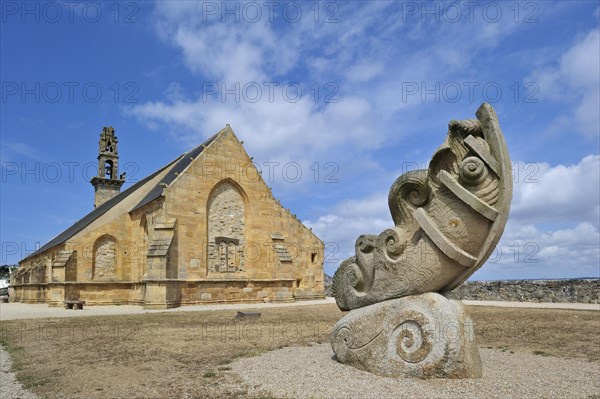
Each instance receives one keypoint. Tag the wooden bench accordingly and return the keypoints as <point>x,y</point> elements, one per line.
<point>74,304</point>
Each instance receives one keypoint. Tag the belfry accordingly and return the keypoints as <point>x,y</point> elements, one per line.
<point>107,183</point>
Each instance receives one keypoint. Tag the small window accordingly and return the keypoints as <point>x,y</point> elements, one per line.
<point>313,257</point>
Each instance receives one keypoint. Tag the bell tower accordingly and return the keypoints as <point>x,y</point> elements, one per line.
<point>107,183</point>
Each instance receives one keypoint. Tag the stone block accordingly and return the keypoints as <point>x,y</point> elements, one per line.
<point>206,296</point>
<point>284,296</point>
<point>423,336</point>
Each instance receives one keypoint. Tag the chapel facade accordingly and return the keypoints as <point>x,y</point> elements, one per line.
<point>203,229</point>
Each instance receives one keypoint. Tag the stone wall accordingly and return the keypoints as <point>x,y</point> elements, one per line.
<point>576,290</point>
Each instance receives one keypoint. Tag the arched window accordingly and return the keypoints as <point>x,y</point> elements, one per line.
<point>104,265</point>
<point>226,224</point>
<point>108,169</point>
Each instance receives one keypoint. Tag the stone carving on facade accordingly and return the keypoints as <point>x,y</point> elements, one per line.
<point>226,224</point>
<point>105,258</point>
<point>448,219</point>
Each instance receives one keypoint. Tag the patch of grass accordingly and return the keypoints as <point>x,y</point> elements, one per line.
<point>224,368</point>
<point>20,362</point>
<point>32,381</point>
<point>11,348</point>
<point>254,352</point>
<point>542,353</point>
<point>209,374</point>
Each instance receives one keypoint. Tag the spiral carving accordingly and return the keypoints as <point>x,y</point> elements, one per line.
<point>365,243</point>
<point>344,334</point>
<point>391,243</point>
<point>415,192</point>
<point>408,191</point>
<point>355,277</point>
<point>472,171</point>
<point>412,344</point>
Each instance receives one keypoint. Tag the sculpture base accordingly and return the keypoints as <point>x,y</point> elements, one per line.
<point>422,336</point>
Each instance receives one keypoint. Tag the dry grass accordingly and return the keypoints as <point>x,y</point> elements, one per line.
<point>544,332</point>
<point>187,354</point>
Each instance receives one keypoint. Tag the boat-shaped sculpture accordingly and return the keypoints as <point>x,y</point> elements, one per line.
<point>448,219</point>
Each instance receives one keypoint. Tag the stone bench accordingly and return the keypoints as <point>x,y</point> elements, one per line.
<point>4,299</point>
<point>247,315</point>
<point>74,304</point>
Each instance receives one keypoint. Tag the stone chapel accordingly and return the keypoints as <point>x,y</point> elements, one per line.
<point>203,229</point>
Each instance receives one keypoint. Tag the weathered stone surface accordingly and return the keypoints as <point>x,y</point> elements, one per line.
<point>105,260</point>
<point>421,336</point>
<point>284,296</point>
<point>226,220</point>
<point>448,219</point>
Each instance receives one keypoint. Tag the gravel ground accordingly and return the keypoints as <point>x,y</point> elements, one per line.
<point>9,386</point>
<point>309,372</point>
<point>18,311</point>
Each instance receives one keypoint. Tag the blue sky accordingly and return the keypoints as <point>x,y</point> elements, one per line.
<point>350,94</point>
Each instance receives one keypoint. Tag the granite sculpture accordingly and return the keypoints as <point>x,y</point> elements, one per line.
<point>448,219</point>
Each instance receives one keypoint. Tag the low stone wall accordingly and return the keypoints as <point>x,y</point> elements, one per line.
<point>576,291</point>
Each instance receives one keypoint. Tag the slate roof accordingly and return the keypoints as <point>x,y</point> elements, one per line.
<point>181,163</point>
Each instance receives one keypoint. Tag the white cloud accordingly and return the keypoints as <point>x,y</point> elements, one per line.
<point>364,71</point>
<point>530,246</point>
<point>527,251</point>
<point>575,79</point>
<point>299,131</point>
<point>15,149</point>
<point>545,194</point>
<point>334,60</point>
